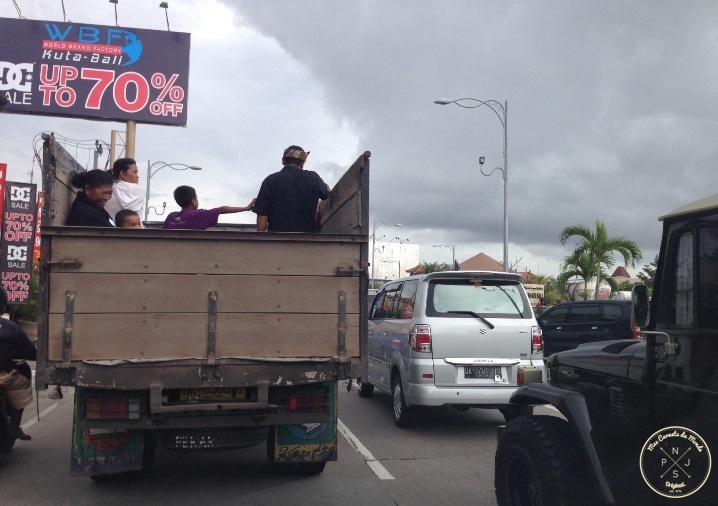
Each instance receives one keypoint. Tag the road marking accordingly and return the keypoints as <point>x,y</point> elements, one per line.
<point>373,464</point>
<point>43,414</point>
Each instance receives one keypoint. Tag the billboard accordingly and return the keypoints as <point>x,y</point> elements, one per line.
<point>3,171</point>
<point>94,71</point>
<point>18,230</point>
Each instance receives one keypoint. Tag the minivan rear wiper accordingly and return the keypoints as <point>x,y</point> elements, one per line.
<point>511,299</point>
<point>475,315</point>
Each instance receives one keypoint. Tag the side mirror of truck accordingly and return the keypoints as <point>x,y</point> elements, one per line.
<point>640,307</point>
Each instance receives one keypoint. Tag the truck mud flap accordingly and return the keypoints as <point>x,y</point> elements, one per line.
<point>308,442</point>
<point>97,452</point>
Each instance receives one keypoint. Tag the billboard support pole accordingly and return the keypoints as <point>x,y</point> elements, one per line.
<point>130,140</point>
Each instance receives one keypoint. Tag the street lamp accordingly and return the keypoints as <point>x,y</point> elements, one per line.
<point>394,262</point>
<point>150,173</point>
<point>373,242</point>
<point>501,111</point>
<point>452,247</point>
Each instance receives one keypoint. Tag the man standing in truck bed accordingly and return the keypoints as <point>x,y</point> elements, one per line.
<point>287,200</point>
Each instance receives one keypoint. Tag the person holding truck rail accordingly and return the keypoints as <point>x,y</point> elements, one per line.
<point>287,200</point>
<point>191,217</point>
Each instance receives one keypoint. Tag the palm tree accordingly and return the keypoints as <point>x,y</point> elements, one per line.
<point>600,246</point>
<point>580,265</point>
<point>435,267</point>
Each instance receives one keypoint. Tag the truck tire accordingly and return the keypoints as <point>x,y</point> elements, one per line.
<point>538,463</point>
<point>365,389</point>
<point>403,414</point>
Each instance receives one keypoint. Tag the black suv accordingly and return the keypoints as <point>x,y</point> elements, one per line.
<point>567,325</point>
<point>639,416</point>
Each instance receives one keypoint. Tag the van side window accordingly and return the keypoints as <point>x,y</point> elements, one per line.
<point>407,299</point>
<point>391,302</point>
<point>555,317</point>
<point>583,314</point>
<point>384,306</point>
<point>377,310</point>
<point>611,312</point>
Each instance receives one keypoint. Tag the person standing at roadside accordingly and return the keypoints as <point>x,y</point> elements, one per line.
<point>288,199</point>
<point>126,190</point>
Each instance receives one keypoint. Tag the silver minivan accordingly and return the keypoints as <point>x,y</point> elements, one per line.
<point>458,338</point>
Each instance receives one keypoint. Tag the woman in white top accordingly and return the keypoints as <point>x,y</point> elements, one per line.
<point>126,190</point>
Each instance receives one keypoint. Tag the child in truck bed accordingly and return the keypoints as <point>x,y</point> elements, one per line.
<point>191,217</point>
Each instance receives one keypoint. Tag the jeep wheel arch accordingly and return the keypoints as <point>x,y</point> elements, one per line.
<point>571,405</point>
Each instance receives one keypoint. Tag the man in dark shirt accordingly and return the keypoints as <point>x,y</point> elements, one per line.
<point>14,345</point>
<point>288,199</point>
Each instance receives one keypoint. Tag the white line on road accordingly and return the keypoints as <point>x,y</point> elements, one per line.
<point>43,414</point>
<point>373,464</point>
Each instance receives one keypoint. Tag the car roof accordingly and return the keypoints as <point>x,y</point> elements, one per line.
<point>704,204</point>
<point>508,276</point>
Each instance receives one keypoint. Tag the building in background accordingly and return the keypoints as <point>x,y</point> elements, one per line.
<point>392,260</point>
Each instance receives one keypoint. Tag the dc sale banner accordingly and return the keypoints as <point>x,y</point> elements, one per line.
<point>18,231</point>
<point>94,72</point>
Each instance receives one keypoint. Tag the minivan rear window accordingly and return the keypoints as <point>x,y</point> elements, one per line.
<point>464,298</point>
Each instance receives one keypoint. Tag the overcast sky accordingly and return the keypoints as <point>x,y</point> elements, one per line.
<point>612,111</point>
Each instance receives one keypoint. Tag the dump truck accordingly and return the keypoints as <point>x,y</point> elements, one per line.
<point>201,340</point>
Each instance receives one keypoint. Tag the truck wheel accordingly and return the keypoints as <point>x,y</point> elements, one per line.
<point>365,389</point>
<point>402,412</point>
<point>538,463</point>
<point>511,412</point>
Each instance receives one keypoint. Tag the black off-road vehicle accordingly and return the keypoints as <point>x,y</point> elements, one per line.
<point>641,417</point>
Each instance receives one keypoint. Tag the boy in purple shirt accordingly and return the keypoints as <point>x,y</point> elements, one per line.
<point>191,217</point>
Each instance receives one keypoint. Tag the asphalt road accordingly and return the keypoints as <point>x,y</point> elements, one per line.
<point>446,458</point>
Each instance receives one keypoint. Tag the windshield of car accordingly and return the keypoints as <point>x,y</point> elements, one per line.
<point>488,298</point>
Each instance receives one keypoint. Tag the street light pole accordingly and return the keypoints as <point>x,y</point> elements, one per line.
<point>173,166</point>
<point>452,247</point>
<point>394,262</point>
<point>501,111</point>
<point>373,243</point>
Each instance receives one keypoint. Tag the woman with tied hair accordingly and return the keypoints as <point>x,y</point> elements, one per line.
<point>126,190</point>
<point>88,209</point>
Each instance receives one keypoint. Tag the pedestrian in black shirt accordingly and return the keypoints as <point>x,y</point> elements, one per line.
<point>288,199</point>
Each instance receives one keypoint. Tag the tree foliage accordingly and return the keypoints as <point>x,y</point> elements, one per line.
<point>435,267</point>
<point>648,275</point>
<point>598,246</point>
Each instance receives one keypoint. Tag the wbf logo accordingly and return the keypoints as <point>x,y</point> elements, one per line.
<point>90,39</point>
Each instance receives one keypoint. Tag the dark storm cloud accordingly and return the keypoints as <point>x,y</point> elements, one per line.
<point>612,108</point>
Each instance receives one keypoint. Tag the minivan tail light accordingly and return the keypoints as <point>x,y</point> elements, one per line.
<point>420,338</point>
<point>536,340</point>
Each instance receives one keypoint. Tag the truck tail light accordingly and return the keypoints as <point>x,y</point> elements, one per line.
<point>112,409</point>
<point>420,338</point>
<point>536,340</point>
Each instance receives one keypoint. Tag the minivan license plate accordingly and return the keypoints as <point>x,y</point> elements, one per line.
<point>482,372</point>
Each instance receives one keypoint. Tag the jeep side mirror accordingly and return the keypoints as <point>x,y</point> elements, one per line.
<point>640,307</point>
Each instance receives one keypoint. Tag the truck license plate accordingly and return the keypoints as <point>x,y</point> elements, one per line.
<point>482,372</point>
<point>212,394</point>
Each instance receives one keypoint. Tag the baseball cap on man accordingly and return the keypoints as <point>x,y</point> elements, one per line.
<point>296,152</point>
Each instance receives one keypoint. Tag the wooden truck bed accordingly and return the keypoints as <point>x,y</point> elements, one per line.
<point>173,304</point>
